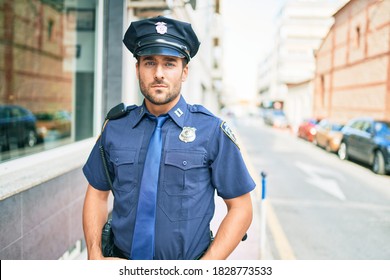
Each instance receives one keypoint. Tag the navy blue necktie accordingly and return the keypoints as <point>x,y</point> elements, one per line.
<point>143,237</point>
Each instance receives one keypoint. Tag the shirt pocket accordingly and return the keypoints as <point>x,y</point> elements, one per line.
<point>125,169</point>
<point>185,172</point>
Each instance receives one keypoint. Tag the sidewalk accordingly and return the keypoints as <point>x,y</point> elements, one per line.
<point>250,248</point>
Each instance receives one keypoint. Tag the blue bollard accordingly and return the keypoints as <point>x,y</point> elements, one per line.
<point>263,215</point>
<point>263,185</point>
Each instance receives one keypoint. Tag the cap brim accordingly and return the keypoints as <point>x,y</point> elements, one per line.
<point>158,50</point>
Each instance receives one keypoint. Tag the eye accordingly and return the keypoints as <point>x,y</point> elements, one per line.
<point>150,63</point>
<point>170,64</point>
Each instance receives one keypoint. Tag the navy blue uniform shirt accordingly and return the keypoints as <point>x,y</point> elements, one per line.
<point>198,157</point>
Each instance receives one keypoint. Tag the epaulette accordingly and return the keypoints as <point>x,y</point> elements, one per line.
<point>199,109</point>
<point>119,111</point>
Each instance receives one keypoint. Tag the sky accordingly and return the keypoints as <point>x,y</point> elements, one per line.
<point>248,36</point>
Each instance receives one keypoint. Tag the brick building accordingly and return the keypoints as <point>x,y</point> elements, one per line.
<point>353,63</point>
<point>33,54</point>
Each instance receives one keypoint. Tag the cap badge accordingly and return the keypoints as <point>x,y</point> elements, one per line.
<point>161,28</point>
<point>188,134</point>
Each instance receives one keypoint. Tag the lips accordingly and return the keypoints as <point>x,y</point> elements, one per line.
<point>159,86</point>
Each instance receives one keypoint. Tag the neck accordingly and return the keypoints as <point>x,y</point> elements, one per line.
<point>158,110</point>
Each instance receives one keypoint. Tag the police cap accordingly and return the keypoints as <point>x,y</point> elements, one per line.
<point>161,36</point>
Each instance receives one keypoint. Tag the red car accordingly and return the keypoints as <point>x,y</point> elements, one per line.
<point>307,129</point>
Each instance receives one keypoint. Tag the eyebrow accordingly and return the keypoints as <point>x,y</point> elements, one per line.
<point>169,58</point>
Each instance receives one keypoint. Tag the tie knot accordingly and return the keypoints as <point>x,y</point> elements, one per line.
<point>161,120</point>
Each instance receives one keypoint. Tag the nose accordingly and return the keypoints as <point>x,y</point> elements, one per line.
<point>159,74</point>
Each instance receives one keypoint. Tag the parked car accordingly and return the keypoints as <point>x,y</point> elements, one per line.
<point>307,129</point>
<point>328,135</point>
<point>17,126</point>
<point>53,125</point>
<point>367,140</point>
<point>275,118</point>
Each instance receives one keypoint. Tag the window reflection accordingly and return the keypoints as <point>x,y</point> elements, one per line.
<point>53,125</point>
<point>46,74</point>
<point>17,126</point>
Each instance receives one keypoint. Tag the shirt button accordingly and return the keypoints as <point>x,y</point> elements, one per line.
<point>184,162</point>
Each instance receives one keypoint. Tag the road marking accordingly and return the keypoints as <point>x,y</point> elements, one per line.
<point>315,177</point>
<point>330,204</point>
<point>279,237</point>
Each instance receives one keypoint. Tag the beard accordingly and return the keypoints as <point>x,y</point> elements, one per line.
<point>159,97</point>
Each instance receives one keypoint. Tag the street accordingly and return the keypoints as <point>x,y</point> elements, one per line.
<point>327,209</point>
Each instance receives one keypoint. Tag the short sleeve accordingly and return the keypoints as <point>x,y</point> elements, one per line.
<point>230,175</point>
<point>94,169</point>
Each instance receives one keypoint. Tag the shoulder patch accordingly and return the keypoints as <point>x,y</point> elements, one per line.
<point>226,129</point>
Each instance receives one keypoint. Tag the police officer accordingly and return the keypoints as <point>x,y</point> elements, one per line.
<point>198,156</point>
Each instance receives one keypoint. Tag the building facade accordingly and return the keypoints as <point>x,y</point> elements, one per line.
<point>285,75</point>
<point>353,63</point>
<point>62,67</point>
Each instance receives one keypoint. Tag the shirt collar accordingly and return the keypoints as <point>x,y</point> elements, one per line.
<point>139,114</point>
<point>177,113</point>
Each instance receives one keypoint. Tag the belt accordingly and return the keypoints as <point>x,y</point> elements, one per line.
<point>118,253</point>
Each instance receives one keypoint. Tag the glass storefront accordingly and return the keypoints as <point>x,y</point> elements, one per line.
<point>47,70</point>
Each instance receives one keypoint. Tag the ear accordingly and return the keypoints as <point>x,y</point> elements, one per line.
<point>137,69</point>
<point>185,73</point>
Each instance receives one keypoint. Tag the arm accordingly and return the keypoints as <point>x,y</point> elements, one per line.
<point>94,217</point>
<point>232,229</point>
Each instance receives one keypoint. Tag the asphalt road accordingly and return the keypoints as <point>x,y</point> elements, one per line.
<point>318,206</point>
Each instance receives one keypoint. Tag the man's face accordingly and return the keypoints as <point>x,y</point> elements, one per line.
<point>160,78</point>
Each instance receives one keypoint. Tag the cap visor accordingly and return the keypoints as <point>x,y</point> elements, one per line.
<point>160,51</point>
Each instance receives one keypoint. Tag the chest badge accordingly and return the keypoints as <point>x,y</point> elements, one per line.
<point>188,134</point>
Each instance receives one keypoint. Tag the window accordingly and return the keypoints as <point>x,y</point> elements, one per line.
<point>47,71</point>
<point>216,41</point>
<point>217,6</point>
<point>357,125</point>
<point>322,90</point>
<point>366,127</point>
<point>357,37</point>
